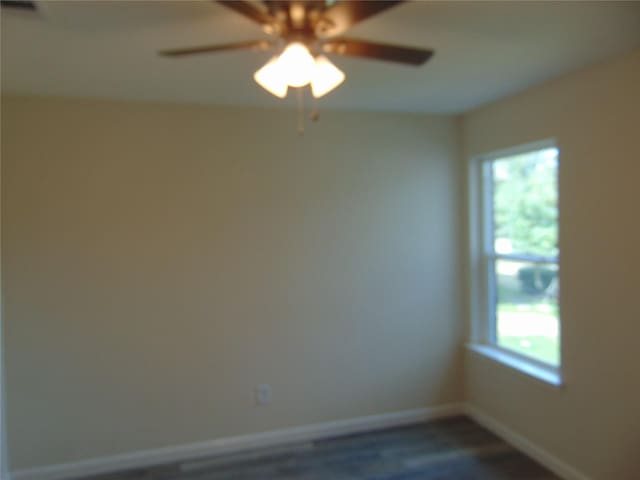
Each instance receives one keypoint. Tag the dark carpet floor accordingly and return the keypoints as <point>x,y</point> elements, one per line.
<point>448,449</point>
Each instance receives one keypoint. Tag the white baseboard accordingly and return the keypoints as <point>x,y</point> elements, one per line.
<point>235,444</point>
<point>557,466</point>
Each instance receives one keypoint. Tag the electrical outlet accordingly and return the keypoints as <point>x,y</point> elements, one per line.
<point>263,394</point>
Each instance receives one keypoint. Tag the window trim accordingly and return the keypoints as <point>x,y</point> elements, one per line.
<point>483,297</point>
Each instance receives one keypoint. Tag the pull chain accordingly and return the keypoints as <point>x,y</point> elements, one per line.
<point>315,113</point>
<point>300,112</point>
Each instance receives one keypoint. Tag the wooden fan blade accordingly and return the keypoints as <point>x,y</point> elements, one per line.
<point>249,11</point>
<point>179,52</point>
<point>345,14</point>
<point>377,51</point>
<point>18,4</point>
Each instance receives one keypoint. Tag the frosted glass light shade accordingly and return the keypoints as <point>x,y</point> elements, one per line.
<point>326,77</point>
<point>272,78</point>
<point>297,65</point>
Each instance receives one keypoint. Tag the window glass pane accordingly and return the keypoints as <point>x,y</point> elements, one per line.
<point>527,319</point>
<point>525,203</point>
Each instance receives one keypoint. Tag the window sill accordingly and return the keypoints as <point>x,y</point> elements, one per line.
<point>548,375</point>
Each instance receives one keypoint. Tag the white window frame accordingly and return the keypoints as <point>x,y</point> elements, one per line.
<point>483,257</point>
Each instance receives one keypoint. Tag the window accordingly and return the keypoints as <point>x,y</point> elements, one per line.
<point>518,264</point>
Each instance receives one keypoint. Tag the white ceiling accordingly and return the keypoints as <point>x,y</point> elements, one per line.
<point>484,51</point>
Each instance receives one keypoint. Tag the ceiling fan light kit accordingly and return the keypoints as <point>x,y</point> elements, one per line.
<point>296,67</point>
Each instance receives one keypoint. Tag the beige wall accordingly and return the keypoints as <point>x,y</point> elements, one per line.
<point>3,431</point>
<point>593,423</point>
<point>160,261</point>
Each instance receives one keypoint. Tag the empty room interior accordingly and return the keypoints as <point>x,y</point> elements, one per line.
<point>320,240</point>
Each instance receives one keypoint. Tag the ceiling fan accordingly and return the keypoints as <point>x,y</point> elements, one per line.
<point>303,31</point>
